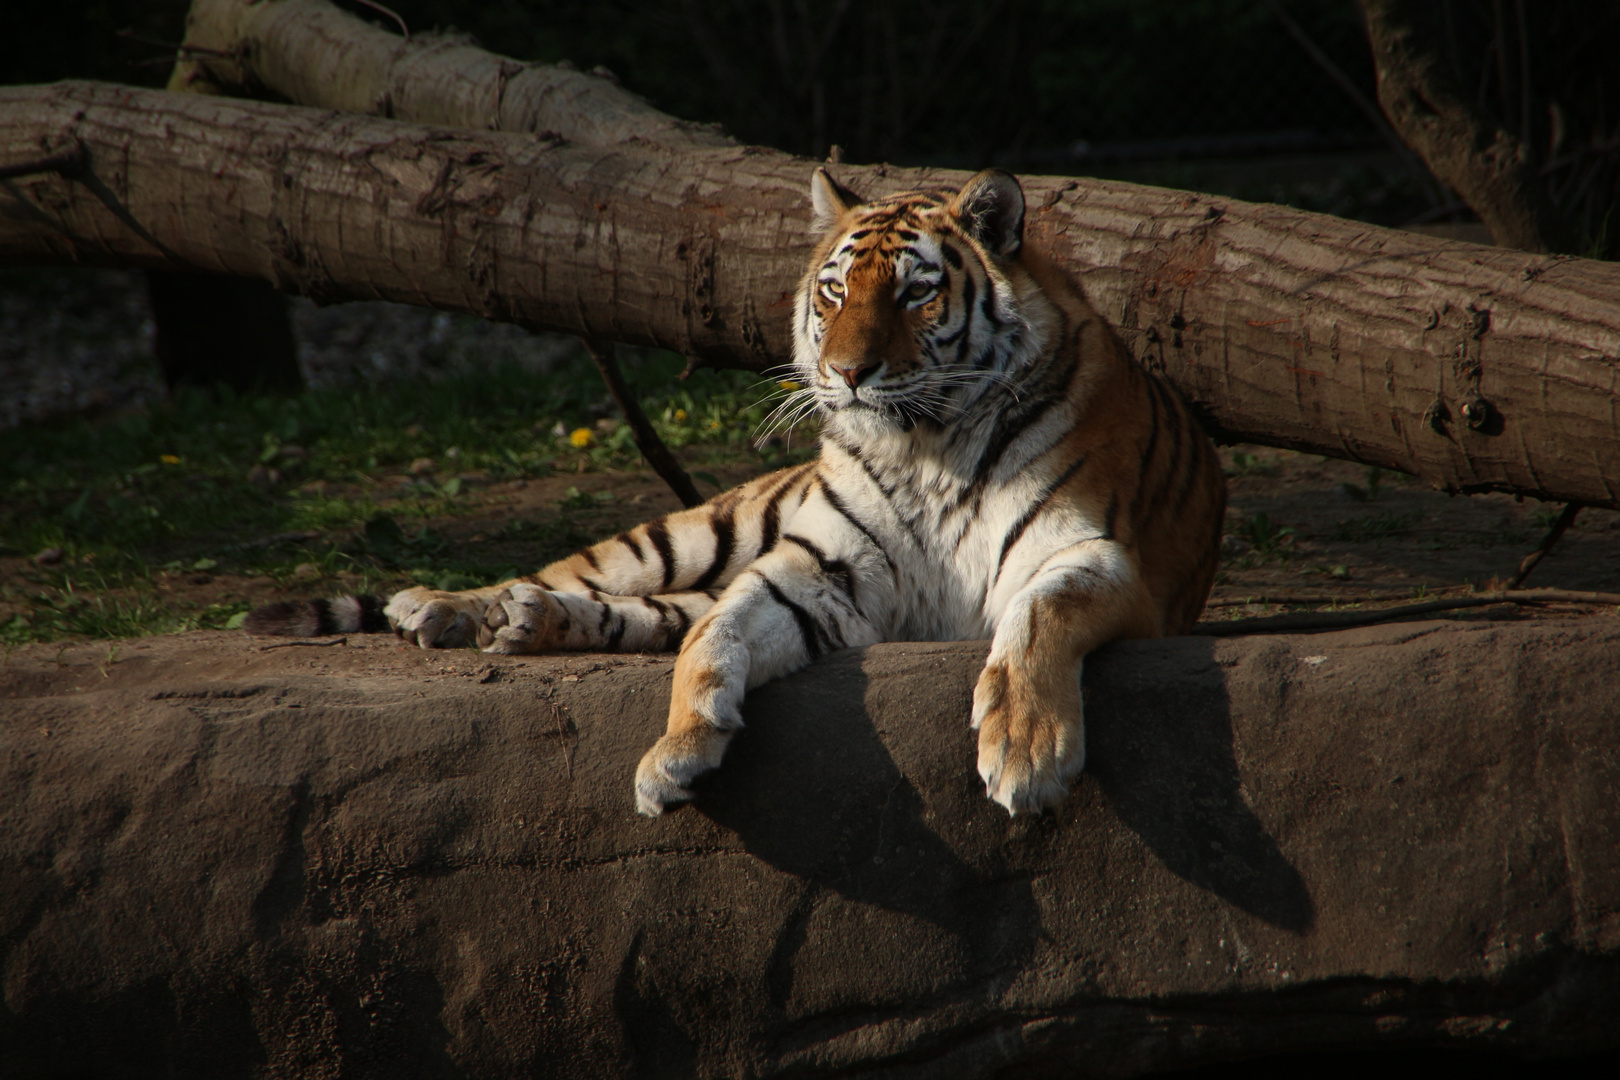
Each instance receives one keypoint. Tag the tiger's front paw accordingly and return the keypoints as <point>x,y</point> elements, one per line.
<point>433,619</point>
<point>523,619</point>
<point>673,763</point>
<point>1031,742</point>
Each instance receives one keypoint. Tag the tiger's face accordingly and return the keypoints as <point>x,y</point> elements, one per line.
<point>910,309</point>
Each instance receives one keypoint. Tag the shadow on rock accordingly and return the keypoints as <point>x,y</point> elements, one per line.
<point>1159,745</point>
<point>813,790</point>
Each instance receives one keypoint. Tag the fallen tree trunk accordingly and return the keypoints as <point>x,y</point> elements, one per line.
<point>369,860</point>
<point>313,53</point>
<point>1476,368</point>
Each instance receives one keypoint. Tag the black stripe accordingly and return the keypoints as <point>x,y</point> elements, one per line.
<point>884,489</point>
<point>952,256</point>
<point>987,306</point>
<point>590,557</point>
<point>372,619</point>
<point>1029,515</point>
<point>1162,487</point>
<point>1145,461</point>
<point>837,570</point>
<point>725,532</point>
<point>808,628</point>
<point>1108,518</point>
<point>836,501</point>
<point>658,533</point>
<point>607,616</point>
<point>969,291</point>
<point>615,638</point>
<point>325,621</point>
<point>1198,448</point>
<point>630,542</point>
<point>771,524</point>
<point>907,235</point>
<point>1015,422</point>
<point>591,585</point>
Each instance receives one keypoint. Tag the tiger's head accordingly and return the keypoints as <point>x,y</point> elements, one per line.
<point>914,306</point>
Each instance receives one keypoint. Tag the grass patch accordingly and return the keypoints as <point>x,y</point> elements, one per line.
<point>352,479</point>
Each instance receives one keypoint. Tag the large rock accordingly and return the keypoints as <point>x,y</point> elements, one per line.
<point>366,860</point>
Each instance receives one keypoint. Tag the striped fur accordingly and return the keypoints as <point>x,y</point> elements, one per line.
<point>993,465</point>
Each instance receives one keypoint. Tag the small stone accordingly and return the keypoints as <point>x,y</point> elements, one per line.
<point>306,572</point>
<point>49,557</point>
<point>422,466</point>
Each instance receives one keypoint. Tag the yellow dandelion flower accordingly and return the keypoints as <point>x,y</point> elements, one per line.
<point>169,459</point>
<point>791,384</point>
<point>714,425</point>
<point>680,414</point>
<point>580,437</point>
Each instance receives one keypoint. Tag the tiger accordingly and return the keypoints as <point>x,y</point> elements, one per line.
<point>992,465</point>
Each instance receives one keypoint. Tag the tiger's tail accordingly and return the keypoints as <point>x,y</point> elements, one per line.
<point>315,618</point>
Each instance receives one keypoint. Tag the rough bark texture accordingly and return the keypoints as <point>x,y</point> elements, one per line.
<point>369,860</point>
<point>312,53</point>
<point>1476,368</point>
<point>1493,169</point>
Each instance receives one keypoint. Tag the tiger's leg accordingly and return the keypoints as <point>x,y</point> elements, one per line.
<point>525,618</point>
<point>1026,705</point>
<point>789,608</point>
<point>692,550</point>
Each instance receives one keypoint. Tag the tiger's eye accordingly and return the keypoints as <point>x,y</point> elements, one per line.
<point>919,289</point>
<point>834,289</point>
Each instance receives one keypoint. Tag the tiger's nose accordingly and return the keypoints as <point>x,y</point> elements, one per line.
<point>854,372</point>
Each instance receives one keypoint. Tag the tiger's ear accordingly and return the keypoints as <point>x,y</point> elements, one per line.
<point>829,200</point>
<point>990,207</point>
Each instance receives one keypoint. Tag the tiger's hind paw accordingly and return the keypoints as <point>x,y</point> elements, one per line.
<point>432,619</point>
<point>1030,744</point>
<point>523,619</point>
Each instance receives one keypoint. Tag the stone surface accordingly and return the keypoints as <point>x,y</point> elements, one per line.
<point>366,860</point>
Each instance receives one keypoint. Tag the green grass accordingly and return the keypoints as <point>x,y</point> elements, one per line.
<point>200,482</point>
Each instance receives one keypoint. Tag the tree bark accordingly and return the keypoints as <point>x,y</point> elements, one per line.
<point>312,53</point>
<point>1475,368</point>
<point>1491,167</point>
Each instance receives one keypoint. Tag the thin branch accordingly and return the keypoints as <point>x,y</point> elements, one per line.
<point>1277,599</point>
<point>647,441</point>
<point>304,644</point>
<point>1565,519</point>
<point>404,30</point>
<point>1342,620</point>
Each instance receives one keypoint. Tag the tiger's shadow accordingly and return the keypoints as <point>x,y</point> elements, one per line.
<point>813,788</point>
<point>1160,745</point>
